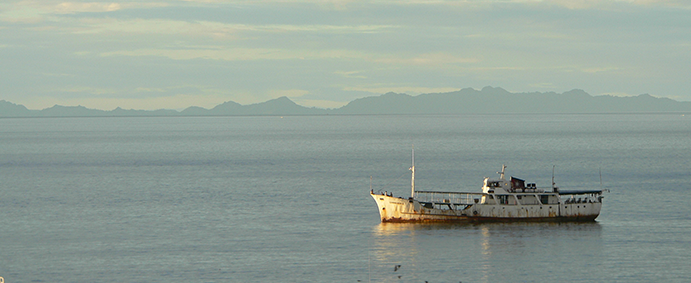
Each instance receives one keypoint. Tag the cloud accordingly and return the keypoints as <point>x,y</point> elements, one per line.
<point>80,7</point>
<point>600,69</point>
<point>505,68</point>
<point>206,1</point>
<point>148,90</point>
<point>326,4</point>
<point>344,4</point>
<point>89,90</point>
<point>21,13</point>
<point>437,60</point>
<point>612,4</point>
<point>238,54</point>
<point>542,85</point>
<point>332,29</point>
<point>143,26</point>
<point>402,89</point>
<point>215,29</point>
<point>351,74</point>
<point>34,11</point>
<point>429,59</point>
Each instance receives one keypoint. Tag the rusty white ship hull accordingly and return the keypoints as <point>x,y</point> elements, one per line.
<point>501,200</point>
<point>395,209</point>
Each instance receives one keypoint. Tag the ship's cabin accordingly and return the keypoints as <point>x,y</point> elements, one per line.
<point>514,191</point>
<point>514,185</point>
<point>496,186</point>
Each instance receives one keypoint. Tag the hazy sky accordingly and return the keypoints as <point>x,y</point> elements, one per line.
<point>173,54</point>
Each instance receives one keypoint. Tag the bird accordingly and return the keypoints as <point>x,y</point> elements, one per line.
<point>396,267</point>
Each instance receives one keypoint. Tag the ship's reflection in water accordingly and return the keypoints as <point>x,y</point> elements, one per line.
<point>485,268</point>
<point>491,252</point>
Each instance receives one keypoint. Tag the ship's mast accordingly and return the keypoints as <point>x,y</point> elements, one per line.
<point>501,174</point>
<point>554,185</point>
<point>412,178</point>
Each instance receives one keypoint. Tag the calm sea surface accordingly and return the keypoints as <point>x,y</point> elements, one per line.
<point>286,199</point>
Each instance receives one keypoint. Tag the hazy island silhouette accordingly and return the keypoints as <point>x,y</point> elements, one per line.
<point>489,100</point>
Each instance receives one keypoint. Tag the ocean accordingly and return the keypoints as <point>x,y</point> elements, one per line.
<point>286,199</point>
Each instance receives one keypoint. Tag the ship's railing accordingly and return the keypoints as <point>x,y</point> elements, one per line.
<point>457,198</point>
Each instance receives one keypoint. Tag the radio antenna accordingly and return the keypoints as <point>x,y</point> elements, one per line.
<point>554,185</point>
<point>412,178</point>
<point>370,184</point>
<point>600,169</point>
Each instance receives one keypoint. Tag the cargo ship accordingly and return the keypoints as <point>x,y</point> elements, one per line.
<point>501,200</point>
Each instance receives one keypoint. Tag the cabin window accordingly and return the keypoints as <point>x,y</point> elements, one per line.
<point>503,199</point>
<point>544,199</point>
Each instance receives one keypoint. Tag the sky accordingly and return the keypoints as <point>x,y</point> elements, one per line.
<point>174,54</point>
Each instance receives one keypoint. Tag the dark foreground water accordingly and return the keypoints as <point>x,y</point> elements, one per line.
<point>272,199</point>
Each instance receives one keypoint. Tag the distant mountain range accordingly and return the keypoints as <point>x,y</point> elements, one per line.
<point>489,100</point>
